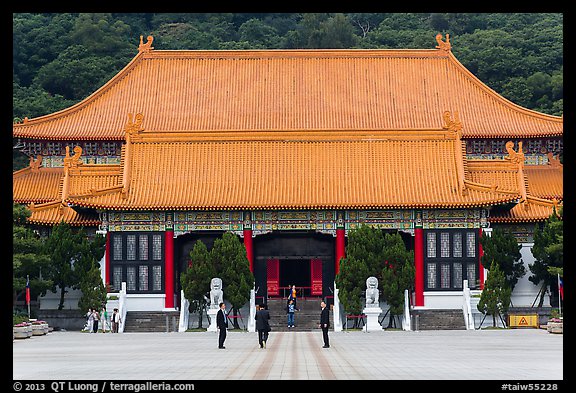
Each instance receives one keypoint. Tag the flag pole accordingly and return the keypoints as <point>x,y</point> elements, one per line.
<point>28,293</point>
<point>559,296</point>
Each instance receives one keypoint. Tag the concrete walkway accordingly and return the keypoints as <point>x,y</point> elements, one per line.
<point>521,354</point>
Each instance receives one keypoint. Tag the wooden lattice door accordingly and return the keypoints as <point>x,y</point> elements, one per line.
<point>273,277</point>
<point>316,277</point>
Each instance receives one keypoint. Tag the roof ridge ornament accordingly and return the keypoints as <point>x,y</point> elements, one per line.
<point>134,127</point>
<point>443,45</point>
<point>452,124</point>
<point>73,161</point>
<point>554,162</point>
<point>516,157</point>
<point>145,47</point>
<point>35,164</point>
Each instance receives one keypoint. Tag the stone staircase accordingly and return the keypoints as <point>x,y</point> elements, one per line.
<point>151,321</point>
<point>442,319</point>
<point>306,318</point>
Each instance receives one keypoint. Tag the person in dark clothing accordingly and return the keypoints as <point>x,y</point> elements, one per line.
<point>262,325</point>
<point>221,324</point>
<point>325,324</point>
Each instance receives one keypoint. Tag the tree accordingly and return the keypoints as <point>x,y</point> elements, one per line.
<point>66,247</point>
<point>548,251</point>
<point>229,258</point>
<point>495,297</point>
<point>363,255</point>
<point>503,248</point>
<point>94,293</point>
<point>196,279</point>
<point>350,281</point>
<point>397,273</point>
<point>367,244</point>
<point>28,257</point>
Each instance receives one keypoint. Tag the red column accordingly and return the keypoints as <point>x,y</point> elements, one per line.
<point>249,248</point>
<point>340,247</point>
<point>107,260</point>
<point>169,269</point>
<point>419,266</point>
<point>480,266</point>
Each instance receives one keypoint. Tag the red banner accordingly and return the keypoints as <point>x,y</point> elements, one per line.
<point>273,277</point>
<point>316,277</point>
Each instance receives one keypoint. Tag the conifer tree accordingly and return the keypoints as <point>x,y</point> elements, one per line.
<point>548,251</point>
<point>28,257</point>
<point>72,255</point>
<point>503,248</point>
<point>397,273</point>
<point>93,290</point>
<point>229,258</point>
<point>196,279</point>
<point>350,281</point>
<point>495,297</point>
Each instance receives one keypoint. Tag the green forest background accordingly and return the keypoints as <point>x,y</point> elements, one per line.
<point>61,58</point>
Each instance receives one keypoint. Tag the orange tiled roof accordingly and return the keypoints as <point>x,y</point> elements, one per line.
<point>55,212</point>
<point>37,185</point>
<point>534,210</point>
<point>544,185</point>
<point>402,169</point>
<point>42,188</point>
<point>545,181</point>
<point>284,90</point>
<point>499,173</point>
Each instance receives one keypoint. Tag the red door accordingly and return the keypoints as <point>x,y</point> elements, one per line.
<point>273,277</point>
<point>316,277</point>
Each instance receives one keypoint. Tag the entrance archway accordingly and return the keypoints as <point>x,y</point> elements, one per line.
<point>304,259</point>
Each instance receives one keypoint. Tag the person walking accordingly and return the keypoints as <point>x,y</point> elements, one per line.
<point>96,319</point>
<point>262,324</point>
<point>290,308</point>
<point>292,295</point>
<point>325,324</point>
<point>221,324</point>
<point>104,315</point>
<point>89,321</point>
<point>115,320</point>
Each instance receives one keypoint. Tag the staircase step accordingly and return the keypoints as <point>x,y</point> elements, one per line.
<point>306,318</point>
<point>151,321</point>
<point>440,319</point>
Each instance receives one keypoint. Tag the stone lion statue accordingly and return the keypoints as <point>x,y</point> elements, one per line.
<point>216,293</point>
<point>372,292</point>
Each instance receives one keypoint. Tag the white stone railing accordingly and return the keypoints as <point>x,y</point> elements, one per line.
<point>406,317</point>
<point>184,313</point>
<point>467,307</point>
<point>122,307</point>
<point>252,320</point>
<point>336,311</point>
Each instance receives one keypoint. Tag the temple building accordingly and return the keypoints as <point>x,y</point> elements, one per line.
<point>290,150</point>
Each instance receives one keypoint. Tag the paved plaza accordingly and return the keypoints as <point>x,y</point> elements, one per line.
<point>522,354</point>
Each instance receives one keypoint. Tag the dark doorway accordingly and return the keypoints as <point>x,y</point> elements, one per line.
<point>295,272</point>
<point>294,250</point>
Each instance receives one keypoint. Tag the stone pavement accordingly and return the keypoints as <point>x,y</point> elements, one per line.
<point>504,355</point>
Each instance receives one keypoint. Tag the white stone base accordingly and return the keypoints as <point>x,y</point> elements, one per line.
<point>212,313</point>
<point>372,314</point>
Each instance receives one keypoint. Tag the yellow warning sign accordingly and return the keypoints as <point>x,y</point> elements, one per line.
<point>526,320</point>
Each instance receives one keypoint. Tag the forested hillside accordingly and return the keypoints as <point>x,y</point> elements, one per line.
<point>61,58</point>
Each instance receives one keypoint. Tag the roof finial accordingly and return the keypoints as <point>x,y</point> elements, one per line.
<point>134,127</point>
<point>145,47</point>
<point>73,161</point>
<point>35,163</point>
<point>444,45</point>
<point>513,156</point>
<point>452,124</point>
